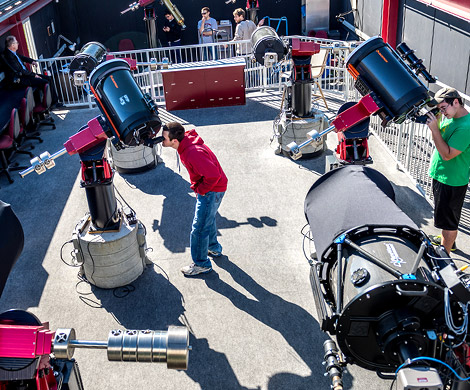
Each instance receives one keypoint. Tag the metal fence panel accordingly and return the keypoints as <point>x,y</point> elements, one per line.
<point>257,77</point>
<point>412,146</point>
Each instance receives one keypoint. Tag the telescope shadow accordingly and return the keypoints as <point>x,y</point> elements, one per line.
<point>413,205</point>
<point>211,369</point>
<point>178,208</point>
<point>150,302</point>
<point>315,164</point>
<point>300,330</point>
<point>231,114</point>
<point>153,302</point>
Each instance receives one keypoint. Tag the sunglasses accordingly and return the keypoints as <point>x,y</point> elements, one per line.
<point>203,13</point>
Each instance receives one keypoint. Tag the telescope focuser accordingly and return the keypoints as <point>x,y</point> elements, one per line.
<point>423,118</point>
<point>150,142</point>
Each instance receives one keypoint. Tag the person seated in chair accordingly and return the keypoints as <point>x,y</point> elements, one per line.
<point>17,75</point>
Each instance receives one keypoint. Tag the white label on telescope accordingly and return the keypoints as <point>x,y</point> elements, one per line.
<point>124,99</point>
<point>394,258</point>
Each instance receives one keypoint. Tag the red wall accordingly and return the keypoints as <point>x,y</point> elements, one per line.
<point>14,24</point>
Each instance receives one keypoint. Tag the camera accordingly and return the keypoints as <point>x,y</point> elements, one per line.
<point>424,118</point>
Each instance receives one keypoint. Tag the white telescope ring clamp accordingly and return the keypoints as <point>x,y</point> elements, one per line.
<point>38,165</point>
<point>295,150</point>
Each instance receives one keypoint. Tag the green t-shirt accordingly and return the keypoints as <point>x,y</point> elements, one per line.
<point>454,172</point>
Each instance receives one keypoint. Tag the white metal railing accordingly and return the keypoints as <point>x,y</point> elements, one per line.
<point>257,77</point>
<point>411,145</point>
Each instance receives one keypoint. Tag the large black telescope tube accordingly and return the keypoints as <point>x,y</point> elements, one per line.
<point>88,58</point>
<point>266,42</point>
<point>370,270</point>
<point>132,115</point>
<point>388,76</point>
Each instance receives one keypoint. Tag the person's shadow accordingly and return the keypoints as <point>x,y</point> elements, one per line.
<point>300,330</point>
<point>178,204</point>
<point>178,207</point>
<point>149,302</point>
<point>153,302</point>
<point>211,369</point>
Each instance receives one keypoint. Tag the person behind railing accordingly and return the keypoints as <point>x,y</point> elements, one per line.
<point>173,32</point>
<point>450,164</point>
<point>243,31</point>
<point>207,28</point>
<point>17,75</point>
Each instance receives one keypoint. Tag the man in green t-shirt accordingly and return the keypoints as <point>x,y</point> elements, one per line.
<point>450,163</point>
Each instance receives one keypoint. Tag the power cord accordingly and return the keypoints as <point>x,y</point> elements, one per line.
<point>414,360</point>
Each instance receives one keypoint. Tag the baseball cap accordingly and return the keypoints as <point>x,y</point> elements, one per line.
<point>444,93</point>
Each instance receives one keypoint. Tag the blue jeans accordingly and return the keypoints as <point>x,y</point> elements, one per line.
<point>176,54</point>
<point>210,53</point>
<point>204,231</point>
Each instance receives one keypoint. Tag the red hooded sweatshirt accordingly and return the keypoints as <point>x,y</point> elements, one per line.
<point>204,169</point>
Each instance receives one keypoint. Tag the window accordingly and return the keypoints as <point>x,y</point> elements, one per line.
<point>459,8</point>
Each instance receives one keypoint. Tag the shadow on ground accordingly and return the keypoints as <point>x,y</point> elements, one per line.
<point>38,202</point>
<point>153,302</point>
<point>178,207</point>
<point>228,115</point>
<point>289,319</point>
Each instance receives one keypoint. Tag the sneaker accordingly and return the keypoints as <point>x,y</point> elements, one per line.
<point>436,240</point>
<point>214,253</point>
<point>193,270</point>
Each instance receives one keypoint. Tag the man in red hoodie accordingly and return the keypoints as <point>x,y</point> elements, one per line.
<point>209,182</point>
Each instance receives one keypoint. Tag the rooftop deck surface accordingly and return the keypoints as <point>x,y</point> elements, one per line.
<point>252,320</point>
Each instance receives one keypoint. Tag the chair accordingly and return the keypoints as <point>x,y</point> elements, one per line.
<point>42,110</point>
<point>7,143</point>
<point>318,64</point>
<point>19,135</point>
<point>26,117</point>
<point>126,45</point>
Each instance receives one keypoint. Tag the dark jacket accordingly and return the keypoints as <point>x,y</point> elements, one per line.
<point>13,68</point>
<point>175,30</point>
<point>204,169</point>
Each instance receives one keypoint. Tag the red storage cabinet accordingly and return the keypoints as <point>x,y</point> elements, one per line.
<point>220,83</point>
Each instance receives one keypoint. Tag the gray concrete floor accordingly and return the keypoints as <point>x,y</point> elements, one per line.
<point>252,321</point>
